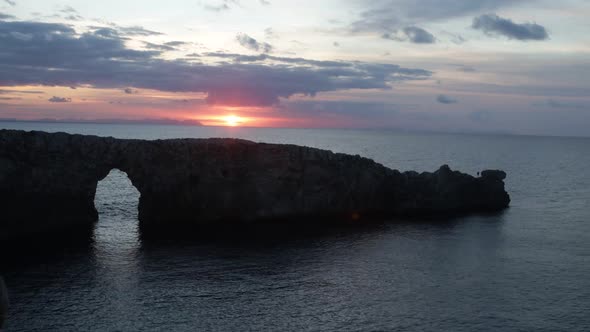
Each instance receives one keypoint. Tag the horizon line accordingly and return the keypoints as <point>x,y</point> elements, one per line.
<point>197,124</point>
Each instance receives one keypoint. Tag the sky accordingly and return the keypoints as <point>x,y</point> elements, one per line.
<point>488,66</point>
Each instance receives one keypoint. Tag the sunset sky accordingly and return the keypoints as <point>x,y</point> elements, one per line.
<point>499,66</point>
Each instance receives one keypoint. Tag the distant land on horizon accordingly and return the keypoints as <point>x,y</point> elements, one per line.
<point>158,121</point>
<point>196,123</point>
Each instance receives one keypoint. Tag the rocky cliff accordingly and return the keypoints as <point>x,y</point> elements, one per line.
<point>48,182</point>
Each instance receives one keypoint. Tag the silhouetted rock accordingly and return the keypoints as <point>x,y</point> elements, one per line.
<point>3,302</point>
<point>493,174</point>
<point>48,183</point>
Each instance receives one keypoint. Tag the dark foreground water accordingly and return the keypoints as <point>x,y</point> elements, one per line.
<point>527,269</point>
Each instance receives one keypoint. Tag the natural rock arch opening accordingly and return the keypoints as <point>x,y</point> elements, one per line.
<point>116,201</point>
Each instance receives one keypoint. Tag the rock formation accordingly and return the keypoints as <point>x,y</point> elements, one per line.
<point>3,303</point>
<point>48,183</point>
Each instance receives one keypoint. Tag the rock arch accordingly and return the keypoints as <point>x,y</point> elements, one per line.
<point>48,181</point>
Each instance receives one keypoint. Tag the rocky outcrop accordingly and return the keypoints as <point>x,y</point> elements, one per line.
<point>48,182</point>
<point>3,302</point>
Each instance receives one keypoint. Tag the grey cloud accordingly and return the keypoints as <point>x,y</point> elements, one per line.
<point>130,91</point>
<point>412,34</point>
<point>454,38</point>
<point>115,31</point>
<point>252,44</point>
<point>71,14</point>
<point>221,6</point>
<point>269,33</point>
<point>33,92</point>
<point>265,2</point>
<point>159,47</point>
<point>383,16</point>
<point>69,10</point>
<point>383,71</point>
<point>443,99</point>
<point>536,90</point>
<point>106,32</point>
<point>103,60</point>
<point>175,43</point>
<point>74,18</point>
<point>347,107</point>
<point>10,2</point>
<point>492,24</point>
<point>168,46</point>
<point>55,99</point>
<point>463,68</point>
<point>419,36</point>
<point>6,16</point>
<point>466,69</point>
<point>264,57</point>
<point>552,103</point>
<point>28,44</point>
<point>137,31</point>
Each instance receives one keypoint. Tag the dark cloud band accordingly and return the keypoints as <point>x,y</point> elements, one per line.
<point>56,55</point>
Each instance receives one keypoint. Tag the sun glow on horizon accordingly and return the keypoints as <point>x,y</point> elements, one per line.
<point>233,120</point>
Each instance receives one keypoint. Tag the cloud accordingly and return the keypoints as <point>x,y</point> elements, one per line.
<point>221,6</point>
<point>130,91</point>
<point>55,99</point>
<point>463,68</point>
<point>552,103</point>
<point>137,31</point>
<point>175,43</point>
<point>386,16</point>
<point>71,14</point>
<point>412,34</point>
<point>455,38</point>
<point>443,99</point>
<point>466,69</point>
<point>102,60</point>
<point>6,16</point>
<point>419,36</point>
<point>21,91</point>
<point>493,24</point>
<point>69,10</point>
<point>168,46</point>
<point>252,44</point>
<point>343,107</point>
<point>265,2</point>
<point>10,2</point>
<point>116,31</point>
<point>269,33</point>
<point>264,57</point>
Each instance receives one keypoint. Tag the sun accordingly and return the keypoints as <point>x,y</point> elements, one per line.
<point>233,120</point>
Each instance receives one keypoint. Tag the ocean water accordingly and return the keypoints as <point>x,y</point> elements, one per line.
<point>526,269</point>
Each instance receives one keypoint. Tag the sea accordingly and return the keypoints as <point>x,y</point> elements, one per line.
<point>526,269</point>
